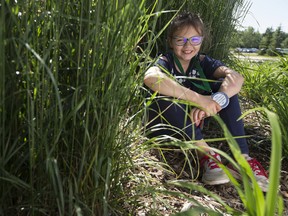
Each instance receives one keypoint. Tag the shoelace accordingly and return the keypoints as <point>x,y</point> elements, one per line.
<point>257,167</point>
<point>211,163</point>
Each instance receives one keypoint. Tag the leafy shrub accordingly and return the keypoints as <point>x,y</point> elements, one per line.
<point>266,84</point>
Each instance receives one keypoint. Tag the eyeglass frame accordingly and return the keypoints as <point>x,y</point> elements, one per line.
<point>188,39</point>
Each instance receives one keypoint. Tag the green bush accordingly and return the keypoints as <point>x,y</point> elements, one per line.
<point>266,84</point>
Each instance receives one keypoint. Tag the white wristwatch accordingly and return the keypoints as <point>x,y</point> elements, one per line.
<point>221,98</point>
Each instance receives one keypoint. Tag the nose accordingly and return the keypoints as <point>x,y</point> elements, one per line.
<point>188,43</point>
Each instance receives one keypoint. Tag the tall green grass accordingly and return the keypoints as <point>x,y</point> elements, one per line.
<point>252,198</point>
<point>70,71</point>
<point>220,18</point>
<point>266,84</point>
<point>68,84</point>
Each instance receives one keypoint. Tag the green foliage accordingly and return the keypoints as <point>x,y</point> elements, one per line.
<point>269,43</point>
<point>277,38</point>
<point>253,199</point>
<point>267,37</point>
<point>285,43</point>
<point>69,78</point>
<point>70,71</point>
<point>266,84</point>
<point>220,17</point>
<point>247,38</point>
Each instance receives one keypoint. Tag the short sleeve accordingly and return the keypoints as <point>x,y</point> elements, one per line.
<point>164,64</point>
<point>209,65</point>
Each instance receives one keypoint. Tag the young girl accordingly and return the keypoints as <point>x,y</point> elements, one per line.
<point>173,77</point>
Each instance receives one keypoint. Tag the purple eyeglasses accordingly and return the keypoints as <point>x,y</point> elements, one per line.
<point>181,41</point>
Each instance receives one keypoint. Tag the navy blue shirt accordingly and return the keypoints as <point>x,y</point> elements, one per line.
<point>208,65</point>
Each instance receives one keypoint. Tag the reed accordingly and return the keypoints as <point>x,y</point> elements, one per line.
<point>69,75</point>
<point>220,18</point>
<point>266,84</point>
<point>253,200</point>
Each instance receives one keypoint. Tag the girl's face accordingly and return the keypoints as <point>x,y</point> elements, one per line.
<point>186,43</point>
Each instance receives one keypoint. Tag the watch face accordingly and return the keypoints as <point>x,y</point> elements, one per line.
<point>221,98</point>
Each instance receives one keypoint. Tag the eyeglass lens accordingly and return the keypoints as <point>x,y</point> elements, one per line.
<point>196,40</point>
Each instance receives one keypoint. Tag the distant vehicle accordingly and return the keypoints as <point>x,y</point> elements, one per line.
<point>238,49</point>
<point>247,50</point>
<point>285,51</point>
<point>282,51</point>
<point>276,51</point>
<point>254,50</point>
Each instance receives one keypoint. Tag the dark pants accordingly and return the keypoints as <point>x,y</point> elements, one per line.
<point>166,117</point>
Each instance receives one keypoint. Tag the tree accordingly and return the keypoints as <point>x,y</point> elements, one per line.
<point>250,38</point>
<point>284,43</point>
<point>266,40</point>
<point>277,38</point>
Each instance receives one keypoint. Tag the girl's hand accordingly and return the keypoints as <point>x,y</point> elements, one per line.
<point>208,105</point>
<point>232,82</point>
<point>197,115</point>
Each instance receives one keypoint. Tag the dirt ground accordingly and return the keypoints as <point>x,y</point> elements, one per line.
<point>148,171</point>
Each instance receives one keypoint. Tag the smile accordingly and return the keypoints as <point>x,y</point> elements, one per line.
<point>188,52</point>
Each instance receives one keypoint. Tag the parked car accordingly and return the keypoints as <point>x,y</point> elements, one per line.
<point>246,50</point>
<point>282,51</point>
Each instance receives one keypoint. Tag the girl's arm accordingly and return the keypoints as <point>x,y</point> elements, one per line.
<point>159,82</point>
<point>232,82</point>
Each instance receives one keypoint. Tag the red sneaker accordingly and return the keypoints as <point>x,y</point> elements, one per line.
<point>258,171</point>
<point>212,173</point>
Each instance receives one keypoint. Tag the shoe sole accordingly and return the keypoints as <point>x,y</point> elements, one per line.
<point>222,181</point>
<point>235,174</point>
<point>238,177</point>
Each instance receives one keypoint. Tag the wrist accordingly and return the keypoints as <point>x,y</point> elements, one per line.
<point>225,90</point>
<point>221,98</point>
<point>192,96</point>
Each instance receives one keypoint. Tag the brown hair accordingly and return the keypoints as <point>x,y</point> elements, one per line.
<point>185,19</point>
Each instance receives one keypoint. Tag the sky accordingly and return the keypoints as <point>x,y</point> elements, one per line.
<point>264,14</point>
